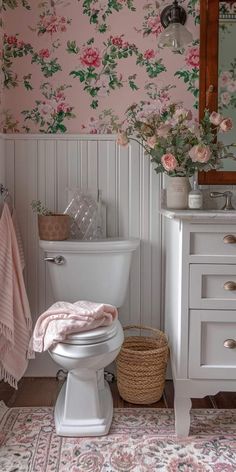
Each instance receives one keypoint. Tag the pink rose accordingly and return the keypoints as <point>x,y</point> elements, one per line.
<point>12,40</point>
<point>225,98</point>
<point>163,131</point>
<point>122,139</point>
<point>232,86</point>
<point>125,45</point>
<point>225,78</point>
<point>45,109</point>
<point>169,162</point>
<point>151,141</point>
<point>154,24</point>
<point>226,124</point>
<point>60,96</point>
<point>200,153</point>
<point>215,118</point>
<point>192,57</point>
<point>52,25</point>
<point>117,41</point>
<point>44,53</point>
<point>21,44</point>
<point>183,114</point>
<point>90,57</point>
<point>164,98</point>
<point>62,107</point>
<point>149,54</point>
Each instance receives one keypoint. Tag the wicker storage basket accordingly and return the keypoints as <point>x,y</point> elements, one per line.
<point>141,366</point>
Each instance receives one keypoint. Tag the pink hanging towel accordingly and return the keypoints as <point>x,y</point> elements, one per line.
<point>15,318</point>
<point>64,318</point>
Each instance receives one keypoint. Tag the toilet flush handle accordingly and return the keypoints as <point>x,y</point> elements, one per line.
<point>59,260</point>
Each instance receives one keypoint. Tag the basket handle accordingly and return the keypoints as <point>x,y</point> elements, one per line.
<point>148,328</point>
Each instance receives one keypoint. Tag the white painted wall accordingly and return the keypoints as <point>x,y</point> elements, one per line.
<point>43,166</point>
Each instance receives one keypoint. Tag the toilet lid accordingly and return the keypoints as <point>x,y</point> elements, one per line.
<point>93,336</point>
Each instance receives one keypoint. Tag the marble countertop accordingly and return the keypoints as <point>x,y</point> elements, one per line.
<point>203,215</point>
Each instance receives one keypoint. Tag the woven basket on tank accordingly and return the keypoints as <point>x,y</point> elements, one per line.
<point>141,366</point>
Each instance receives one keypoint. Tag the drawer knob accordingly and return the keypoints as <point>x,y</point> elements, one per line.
<point>229,239</point>
<point>230,343</point>
<point>230,285</point>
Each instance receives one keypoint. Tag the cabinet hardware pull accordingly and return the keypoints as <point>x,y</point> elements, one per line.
<point>230,285</point>
<point>230,343</point>
<point>59,260</point>
<point>229,239</point>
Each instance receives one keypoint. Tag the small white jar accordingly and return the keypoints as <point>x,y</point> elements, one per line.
<point>195,198</point>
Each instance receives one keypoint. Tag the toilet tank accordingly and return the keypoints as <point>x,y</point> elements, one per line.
<point>90,270</point>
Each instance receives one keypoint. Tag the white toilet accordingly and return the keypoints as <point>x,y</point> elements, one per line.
<point>97,271</point>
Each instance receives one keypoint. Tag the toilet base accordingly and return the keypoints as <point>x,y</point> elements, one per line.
<point>84,427</point>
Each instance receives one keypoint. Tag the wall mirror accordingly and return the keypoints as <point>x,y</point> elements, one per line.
<point>218,75</point>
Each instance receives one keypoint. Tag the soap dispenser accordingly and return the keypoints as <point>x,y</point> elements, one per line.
<point>195,198</point>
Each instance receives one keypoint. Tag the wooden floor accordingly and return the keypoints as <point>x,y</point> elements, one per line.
<point>44,391</point>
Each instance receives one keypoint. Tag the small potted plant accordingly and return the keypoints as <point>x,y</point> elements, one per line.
<point>51,226</point>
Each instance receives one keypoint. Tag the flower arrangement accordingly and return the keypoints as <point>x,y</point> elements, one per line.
<point>177,144</point>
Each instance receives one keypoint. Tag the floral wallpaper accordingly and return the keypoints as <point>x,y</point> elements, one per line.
<point>74,66</point>
<point>1,65</point>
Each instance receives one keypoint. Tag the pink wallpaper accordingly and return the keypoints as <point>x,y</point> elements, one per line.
<point>1,66</point>
<point>74,66</point>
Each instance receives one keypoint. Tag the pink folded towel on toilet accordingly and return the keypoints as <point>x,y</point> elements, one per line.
<point>64,318</point>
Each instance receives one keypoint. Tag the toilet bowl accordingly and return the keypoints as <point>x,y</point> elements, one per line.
<point>97,271</point>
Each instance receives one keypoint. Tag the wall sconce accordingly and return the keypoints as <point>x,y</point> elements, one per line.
<point>175,34</point>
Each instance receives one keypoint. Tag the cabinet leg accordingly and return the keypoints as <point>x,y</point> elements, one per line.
<point>182,416</point>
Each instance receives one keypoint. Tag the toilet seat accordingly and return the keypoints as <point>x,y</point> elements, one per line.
<point>94,336</point>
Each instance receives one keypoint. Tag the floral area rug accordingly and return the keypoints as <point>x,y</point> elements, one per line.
<point>140,440</point>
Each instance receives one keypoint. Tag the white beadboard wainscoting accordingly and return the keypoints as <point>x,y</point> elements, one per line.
<point>2,160</point>
<point>43,167</point>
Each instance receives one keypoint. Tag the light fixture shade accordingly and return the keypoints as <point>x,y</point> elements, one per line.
<point>174,36</point>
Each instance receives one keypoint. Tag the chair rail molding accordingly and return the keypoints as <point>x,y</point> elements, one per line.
<point>61,137</point>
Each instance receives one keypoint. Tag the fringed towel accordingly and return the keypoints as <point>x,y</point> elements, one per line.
<point>64,318</point>
<point>15,318</point>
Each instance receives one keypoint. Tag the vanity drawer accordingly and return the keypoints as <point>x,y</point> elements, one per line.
<point>213,241</point>
<point>208,357</point>
<point>213,286</point>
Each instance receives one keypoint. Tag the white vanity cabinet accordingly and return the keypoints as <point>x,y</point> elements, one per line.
<point>200,305</point>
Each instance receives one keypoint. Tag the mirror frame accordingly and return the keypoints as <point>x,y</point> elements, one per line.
<point>208,79</point>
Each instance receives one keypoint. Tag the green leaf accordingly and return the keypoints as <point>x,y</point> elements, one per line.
<point>61,127</point>
<point>90,41</point>
<point>78,73</point>
<point>102,28</point>
<point>94,104</point>
<point>132,85</point>
<point>72,48</point>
